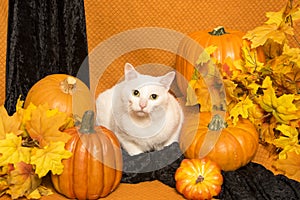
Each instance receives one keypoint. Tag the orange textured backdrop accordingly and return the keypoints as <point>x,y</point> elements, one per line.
<point>3,36</point>
<point>107,18</point>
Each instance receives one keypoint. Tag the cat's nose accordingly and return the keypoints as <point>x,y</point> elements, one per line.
<point>143,104</point>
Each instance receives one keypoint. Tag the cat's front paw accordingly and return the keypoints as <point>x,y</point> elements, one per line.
<point>132,149</point>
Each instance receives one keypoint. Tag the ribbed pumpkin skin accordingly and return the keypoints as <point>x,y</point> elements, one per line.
<point>198,179</point>
<point>235,148</point>
<point>48,90</point>
<point>84,176</point>
<point>229,45</point>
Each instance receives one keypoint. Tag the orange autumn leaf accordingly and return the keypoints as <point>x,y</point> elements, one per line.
<point>290,166</point>
<point>22,180</point>
<point>3,185</point>
<point>267,133</point>
<point>45,128</point>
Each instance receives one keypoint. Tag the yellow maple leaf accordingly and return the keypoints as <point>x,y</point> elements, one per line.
<point>44,126</point>
<point>206,92</point>
<point>282,108</point>
<point>241,109</point>
<point>267,133</point>
<point>230,87</point>
<point>278,25</point>
<point>288,142</point>
<point>197,93</point>
<point>205,56</point>
<point>22,180</point>
<point>256,115</point>
<point>11,150</point>
<point>26,114</point>
<point>267,83</point>
<point>295,15</point>
<point>44,191</point>
<point>275,17</point>
<point>250,60</point>
<point>253,87</point>
<point>3,185</point>
<point>293,54</point>
<point>69,121</point>
<point>49,158</point>
<point>238,69</point>
<point>261,34</point>
<point>35,194</point>
<point>19,105</point>
<point>291,12</point>
<point>9,124</point>
<point>289,166</point>
<point>39,192</point>
<point>287,80</point>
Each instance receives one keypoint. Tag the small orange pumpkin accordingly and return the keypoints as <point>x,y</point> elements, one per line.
<point>236,146</point>
<point>228,44</point>
<point>198,179</point>
<point>95,169</point>
<point>64,92</point>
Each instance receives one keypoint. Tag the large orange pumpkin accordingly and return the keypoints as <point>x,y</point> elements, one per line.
<point>228,43</point>
<point>236,146</point>
<point>64,92</point>
<point>95,169</point>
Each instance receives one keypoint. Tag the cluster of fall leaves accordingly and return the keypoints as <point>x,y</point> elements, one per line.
<point>32,143</point>
<point>265,92</point>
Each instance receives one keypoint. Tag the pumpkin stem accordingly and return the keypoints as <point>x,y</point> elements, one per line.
<point>68,85</point>
<point>87,124</point>
<point>217,123</point>
<point>200,179</point>
<point>218,31</point>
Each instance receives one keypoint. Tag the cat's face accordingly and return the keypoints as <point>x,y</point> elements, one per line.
<point>144,100</point>
<point>145,94</point>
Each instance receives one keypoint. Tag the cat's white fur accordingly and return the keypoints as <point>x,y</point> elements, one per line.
<point>140,121</point>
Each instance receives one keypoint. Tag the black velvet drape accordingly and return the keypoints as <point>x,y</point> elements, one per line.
<point>44,37</point>
<point>250,182</point>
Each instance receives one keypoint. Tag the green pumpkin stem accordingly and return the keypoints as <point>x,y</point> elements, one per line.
<point>87,124</point>
<point>218,31</point>
<point>217,123</point>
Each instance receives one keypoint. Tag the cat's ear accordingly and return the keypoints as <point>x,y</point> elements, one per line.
<point>167,79</point>
<point>130,72</point>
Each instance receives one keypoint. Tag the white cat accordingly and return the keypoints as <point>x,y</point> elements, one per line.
<point>141,112</point>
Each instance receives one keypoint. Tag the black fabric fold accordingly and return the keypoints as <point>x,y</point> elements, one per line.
<point>251,182</point>
<point>254,181</point>
<point>157,165</point>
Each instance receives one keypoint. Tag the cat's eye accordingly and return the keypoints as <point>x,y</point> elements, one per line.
<point>153,96</point>
<point>136,93</point>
